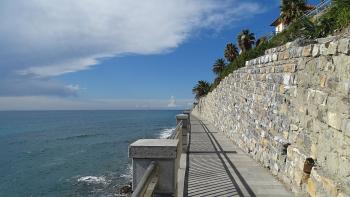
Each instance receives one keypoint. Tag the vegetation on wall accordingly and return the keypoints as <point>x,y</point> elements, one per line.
<point>334,19</point>
<point>246,40</point>
<point>231,52</point>
<point>291,10</point>
<point>201,89</point>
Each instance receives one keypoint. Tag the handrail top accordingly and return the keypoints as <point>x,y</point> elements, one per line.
<point>182,116</point>
<point>155,142</point>
<point>178,127</point>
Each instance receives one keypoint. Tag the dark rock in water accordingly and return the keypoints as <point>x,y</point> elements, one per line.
<point>126,190</point>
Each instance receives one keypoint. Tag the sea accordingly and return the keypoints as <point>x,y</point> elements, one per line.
<point>73,153</point>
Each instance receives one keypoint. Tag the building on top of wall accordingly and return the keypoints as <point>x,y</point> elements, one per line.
<point>280,26</point>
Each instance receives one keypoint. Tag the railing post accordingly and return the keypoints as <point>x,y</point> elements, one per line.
<point>188,113</point>
<point>161,151</point>
<point>184,130</point>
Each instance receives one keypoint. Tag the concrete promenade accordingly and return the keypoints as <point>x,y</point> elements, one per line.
<point>216,167</point>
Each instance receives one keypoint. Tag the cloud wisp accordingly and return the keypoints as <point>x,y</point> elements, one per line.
<point>42,39</point>
<point>75,103</point>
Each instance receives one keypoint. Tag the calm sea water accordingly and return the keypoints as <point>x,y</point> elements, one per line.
<point>72,153</point>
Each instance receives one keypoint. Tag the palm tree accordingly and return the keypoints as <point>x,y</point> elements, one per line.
<point>262,40</point>
<point>245,40</point>
<point>219,66</point>
<point>201,89</point>
<point>231,52</point>
<point>292,10</point>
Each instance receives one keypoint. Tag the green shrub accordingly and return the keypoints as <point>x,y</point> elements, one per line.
<point>337,17</point>
<point>343,17</point>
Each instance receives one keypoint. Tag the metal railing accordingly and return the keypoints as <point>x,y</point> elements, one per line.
<point>177,131</point>
<point>319,8</point>
<point>148,183</point>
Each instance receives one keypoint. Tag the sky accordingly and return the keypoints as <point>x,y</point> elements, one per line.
<point>117,54</point>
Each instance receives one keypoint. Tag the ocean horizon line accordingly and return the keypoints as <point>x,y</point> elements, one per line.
<point>43,110</point>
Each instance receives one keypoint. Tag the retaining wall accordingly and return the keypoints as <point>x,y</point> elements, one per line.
<point>289,105</point>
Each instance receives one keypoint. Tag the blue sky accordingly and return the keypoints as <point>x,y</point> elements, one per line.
<point>117,54</point>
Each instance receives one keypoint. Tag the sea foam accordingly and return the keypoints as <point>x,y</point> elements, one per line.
<point>93,180</point>
<point>166,133</point>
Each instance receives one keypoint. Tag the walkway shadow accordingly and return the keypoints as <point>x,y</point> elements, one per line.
<point>209,170</point>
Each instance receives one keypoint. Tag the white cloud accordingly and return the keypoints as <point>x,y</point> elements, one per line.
<point>42,39</point>
<point>61,103</point>
<point>27,86</point>
<point>172,102</point>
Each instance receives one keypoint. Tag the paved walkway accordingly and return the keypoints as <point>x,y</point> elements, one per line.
<point>216,167</point>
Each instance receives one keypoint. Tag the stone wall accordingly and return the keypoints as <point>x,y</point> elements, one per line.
<point>289,105</point>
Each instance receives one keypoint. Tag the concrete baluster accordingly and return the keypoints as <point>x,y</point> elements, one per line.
<point>164,153</point>
<point>184,130</point>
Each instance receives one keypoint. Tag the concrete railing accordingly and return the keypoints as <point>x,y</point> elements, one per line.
<point>148,182</point>
<point>155,162</point>
<point>177,131</point>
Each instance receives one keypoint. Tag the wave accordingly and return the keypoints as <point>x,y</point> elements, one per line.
<point>128,173</point>
<point>166,133</point>
<point>79,136</point>
<point>93,180</point>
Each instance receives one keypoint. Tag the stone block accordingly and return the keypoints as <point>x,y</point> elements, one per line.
<point>324,49</point>
<point>288,79</point>
<point>311,187</point>
<point>344,167</point>
<point>334,120</point>
<point>345,87</point>
<point>299,52</point>
<point>307,51</point>
<point>314,111</point>
<point>323,80</point>
<point>320,97</point>
<point>284,55</point>
<point>342,65</point>
<point>293,127</point>
<point>274,57</point>
<point>311,66</point>
<point>332,48</point>
<point>344,46</point>
<point>316,50</point>
<point>289,68</point>
<point>330,67</point>
<point>346,127</point>
<point>338,104</point>
<point>332,83</point>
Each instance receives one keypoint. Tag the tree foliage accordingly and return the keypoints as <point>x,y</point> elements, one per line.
<point>291,10</point>
<point>219,66</point>
<point>201,89</point>
<point>334,19</point>
<point>245,40</point>
<point>262,40</point>
<point>231,52</point>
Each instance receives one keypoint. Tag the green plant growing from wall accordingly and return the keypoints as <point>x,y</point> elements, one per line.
<point>291,10</point>
<point>262,40</point>
<point>336,18</point>
<point>201,89</point>
<point>219,66</point>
